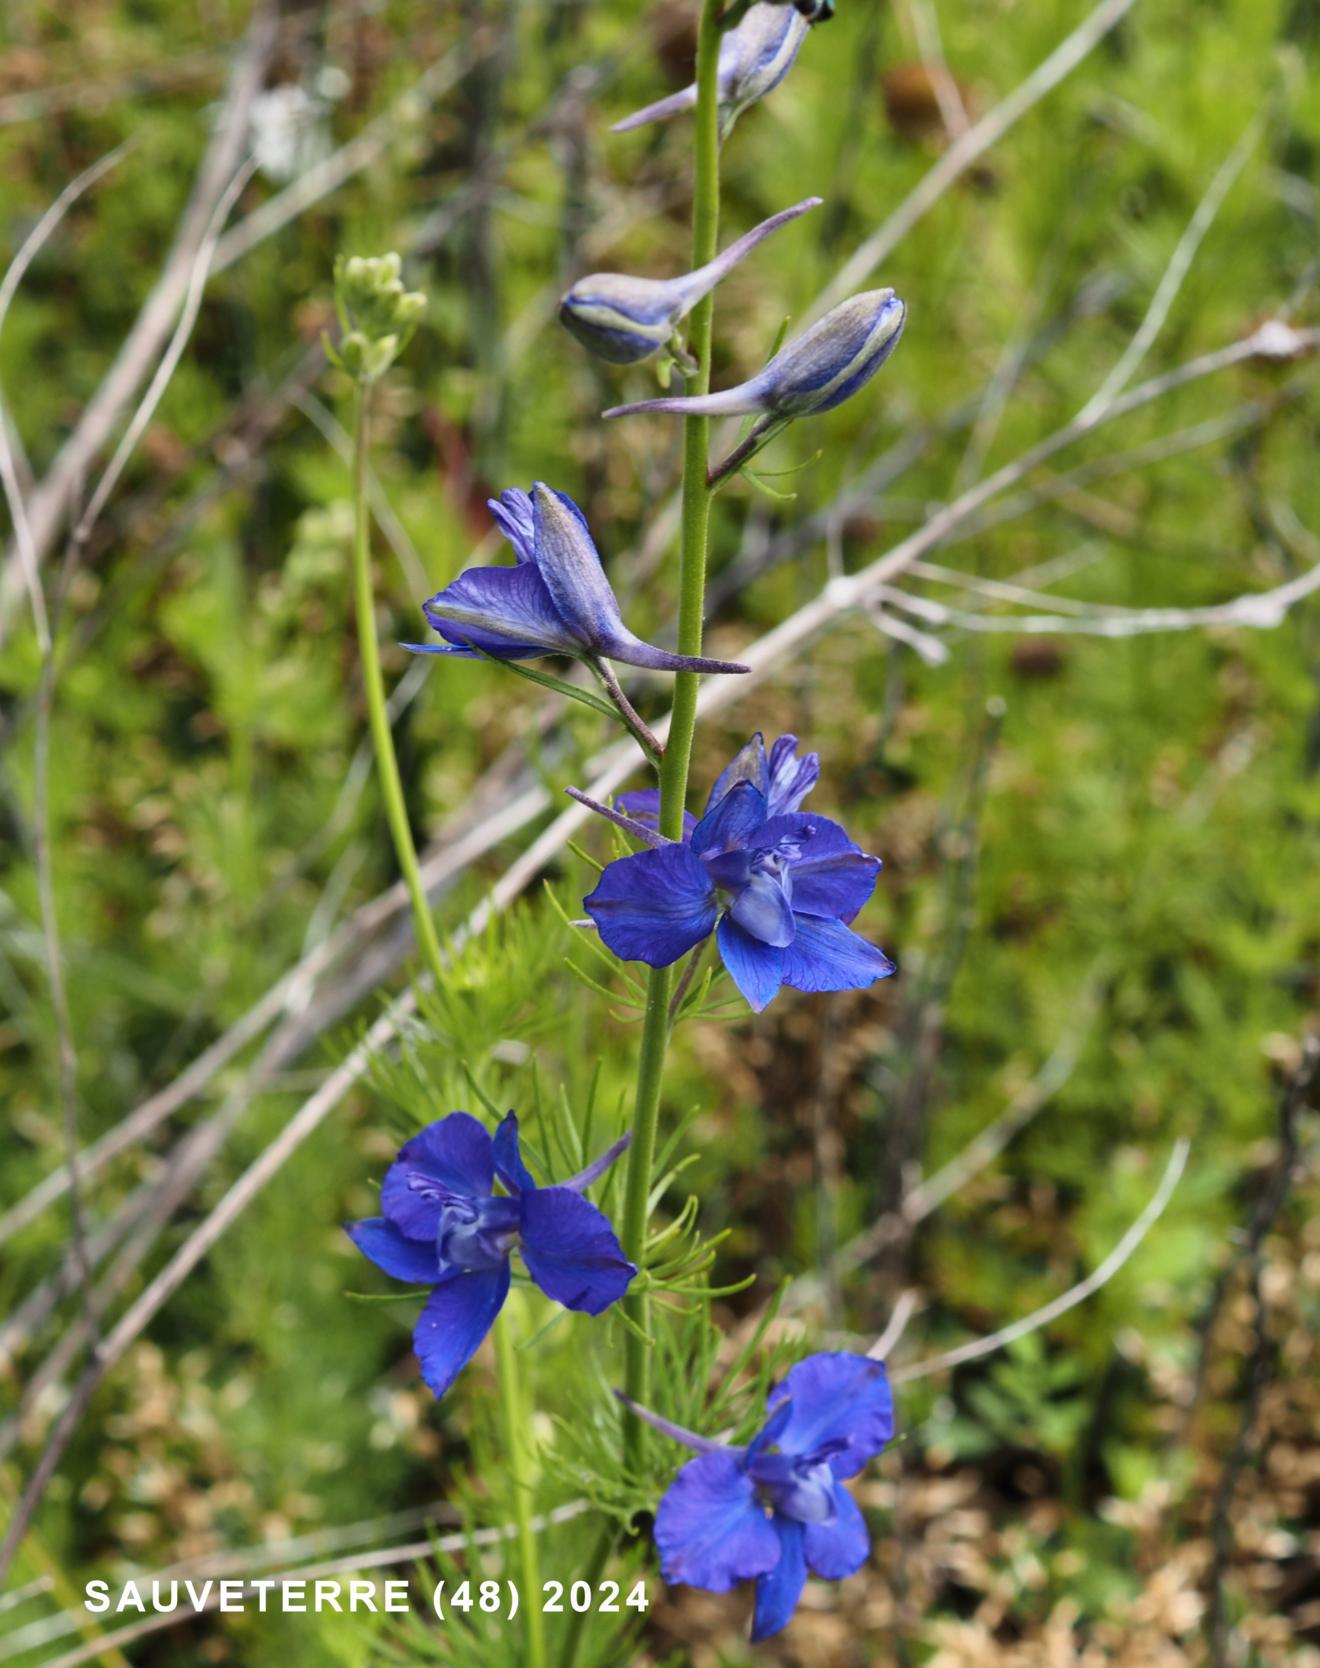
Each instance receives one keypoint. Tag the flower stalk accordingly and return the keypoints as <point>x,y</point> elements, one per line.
<point>382,740</point>
<point>516,1417</point>
<point>677,759</point>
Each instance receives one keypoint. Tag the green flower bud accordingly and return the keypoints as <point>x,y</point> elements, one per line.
<point>376,313</point>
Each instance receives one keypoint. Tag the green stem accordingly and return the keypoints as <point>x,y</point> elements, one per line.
<point>387,765</point>
<point>678,748</point>
<point>515,1417</point>
<point>515,1420</point>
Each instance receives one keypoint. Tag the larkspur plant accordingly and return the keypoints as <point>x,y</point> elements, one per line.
<point>822,368</point>
<point>444,1226</point>
<point>775,1507</point>
<point>775,885</point>
<point>754,57</point>
<point>625,320</point>
<point>554,600</point>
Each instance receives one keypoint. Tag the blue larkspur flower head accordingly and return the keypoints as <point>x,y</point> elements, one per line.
<point>444,1226</point>
<point>776,1508</point>
<point>816,371</point>
<point>778,886</point>
<point>625,320</point>
<point>555,599</point>
<point>755,56</point>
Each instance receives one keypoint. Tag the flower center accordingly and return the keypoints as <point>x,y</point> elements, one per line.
<point>802,1489</point>
<point>476,1233</point>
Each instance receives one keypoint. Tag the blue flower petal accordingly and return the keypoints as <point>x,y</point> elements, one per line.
<point>513,605</point>
<point>401,1258</point>
<point>454,1155</point>
<point>761,909</point>
<point>778,1591</point>
<point>768,1435</point>
<point>840,1547</point>
<point>457,1316</point>
<point>571,1251</point>
<point>747,765</point>
<point>790,779</point>
<point>826,955</point>
<point>836,1398</point>
<point>513,515</point>
<point>757,969</point>
<point>653,906</point>
<point>731,824</point>
<point>643,805</point>
<point>509,1166</point>
<point>833,877</point>
<point>711,1530</point>
<point>574,579</point>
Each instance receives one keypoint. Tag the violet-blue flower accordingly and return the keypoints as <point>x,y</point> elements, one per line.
<point>816,371</point>
<point>625,320</point>
<point>776,1508</point>
<point>755,56</point>
<point>444,1226</point>
<point>776,885</point>
<point>555,599</point>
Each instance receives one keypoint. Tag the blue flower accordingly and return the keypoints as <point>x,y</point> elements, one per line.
<point>777,1508</point>
<point>444,1226</point>
<point>555,599</point>
<point>755,56</point>
<point>816,371</point>
<point>777,886</point>
<point>626,320</point>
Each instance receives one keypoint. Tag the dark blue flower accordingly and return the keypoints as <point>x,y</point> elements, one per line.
<point>816,371</point>
<point>555,599</point>
<point>445,1226</point>
<point>776,885</point>
<point>777,1508</point>
<point>755,56</point>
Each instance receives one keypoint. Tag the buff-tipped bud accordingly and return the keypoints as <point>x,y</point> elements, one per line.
<point>755,56</point>
<point>626,320</point>
<point>376,313</point>
<point>817,371</point>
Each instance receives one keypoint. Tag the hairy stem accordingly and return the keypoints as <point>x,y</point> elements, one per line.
<point>678,749</point>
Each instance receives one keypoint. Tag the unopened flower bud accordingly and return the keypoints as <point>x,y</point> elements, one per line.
<point>814,373</point>
<point>377,314</point>
<point>625,320</point>
<point>755,56</point>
